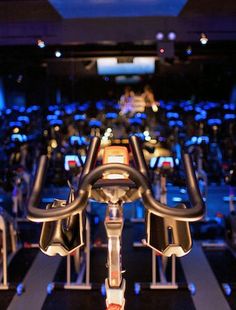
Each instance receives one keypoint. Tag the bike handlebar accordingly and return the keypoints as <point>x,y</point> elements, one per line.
<point>177,213</point>
<point>138,156</point>
<point>40,215</point>
<point>180,212</point>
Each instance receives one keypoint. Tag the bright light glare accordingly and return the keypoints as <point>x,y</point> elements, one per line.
<point>41,43</point>
<point>140,65</point>
<point>171,36</point>
<point>203,39</point>
<point>58,54</point>
<point>160,36</point>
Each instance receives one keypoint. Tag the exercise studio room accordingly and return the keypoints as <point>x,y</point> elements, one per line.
<point>117,155</point>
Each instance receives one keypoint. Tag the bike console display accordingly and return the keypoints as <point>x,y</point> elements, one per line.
<point>115,155</point>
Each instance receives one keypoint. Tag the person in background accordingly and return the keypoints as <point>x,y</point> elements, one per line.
<point>126,100</point>
<point>151,105</point>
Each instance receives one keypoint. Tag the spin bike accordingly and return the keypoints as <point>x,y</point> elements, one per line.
<point>9,248</point>
<point>115,182</point>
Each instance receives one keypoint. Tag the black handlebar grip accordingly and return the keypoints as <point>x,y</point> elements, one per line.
<point>91,157</point>
<point>139,159</point>
<point>39,181</point>
<point>191,180</point>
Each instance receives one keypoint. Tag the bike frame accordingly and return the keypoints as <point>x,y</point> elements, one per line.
<point>115,284</point>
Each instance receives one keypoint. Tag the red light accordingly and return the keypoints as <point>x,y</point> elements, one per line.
<point>72,163</point>
<point>166,164</point>
<point>162,51</point>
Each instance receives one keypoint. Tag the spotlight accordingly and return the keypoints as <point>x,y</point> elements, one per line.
<point>189,50</point>
<point>41,43</point>
<point>160,36</point>
<point>162,51</point>
<point>171,36</point>
<point>58,54</point>
<point>16,130</point>
<point>203,39</point>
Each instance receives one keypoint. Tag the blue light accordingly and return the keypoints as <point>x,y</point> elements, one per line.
<point>135,121</point>
<point>51,117</point>
<point>192,288</point>
<point>52,108</point>
<point>172,123</point>
<point>137,288</point>
<point>139,212</point>
<point>95,123</point>
<point>153,162</point>
<point>96,220</point>
<point>177,161</point>
<point>214,121</point>
<point>18,137</point>
<point>194,139</point>
<point>83,108</point>
<point>227,289</point>
<point>179,123</point>
<point>23,118</point>
<point>80,117</point>
<point>58,112</point>
<point>189,51</point>
<point>103,290</point>
<point>229,116</point>
<point>19,289</point>
<point>2,99</point>
<point>55,122</point>
<point>111,115</point>
<point>35,107</point>
<point>15,124</point>
<point>50,288</point>
<point>47,200</point>
<point>172,115</point>
<point>202,139</point>
<point>141,115</point>
<point>77,139</point>
<point>124,8</point>
<point>176,199</point>
<point>188,108</point>
<point>199,117</point>
<point>171,36</point>
<point>100,105</point>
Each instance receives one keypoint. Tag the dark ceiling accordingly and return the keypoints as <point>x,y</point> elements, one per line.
<point>81,40</point>
<point>22,22</point>
<point>209,8</point>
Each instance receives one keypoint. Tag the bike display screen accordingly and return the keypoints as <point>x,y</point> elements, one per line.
<point>165,162</point>
<point>116,159</point>
<point>162,162</point>
<point>71,162</point>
